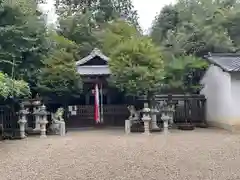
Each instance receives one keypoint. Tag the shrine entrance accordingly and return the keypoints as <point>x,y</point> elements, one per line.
<point>112,105</point>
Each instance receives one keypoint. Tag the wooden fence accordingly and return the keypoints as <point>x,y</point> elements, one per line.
<point>113,115</point>
<point>188,108</point>
<point>8,122</point>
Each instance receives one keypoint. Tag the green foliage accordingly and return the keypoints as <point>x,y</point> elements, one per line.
<point>164,22</point>
<point>194,27</point>
<point>80,29</point>
<point>22,39</point>
<point>183,74</point>
<point>59,78</point>
<point>137,66</point>
<point>101,10</point>
<point>116,33</point>
<point>84,21</point>
<point>190,29</point>
<point>10,87</point>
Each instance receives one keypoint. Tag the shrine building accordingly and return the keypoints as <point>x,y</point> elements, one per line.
<point>112,104</point>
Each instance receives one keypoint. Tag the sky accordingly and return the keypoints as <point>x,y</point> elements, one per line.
<point>147,10</point>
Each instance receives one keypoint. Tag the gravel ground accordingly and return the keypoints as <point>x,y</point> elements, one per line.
<point>204,154</point>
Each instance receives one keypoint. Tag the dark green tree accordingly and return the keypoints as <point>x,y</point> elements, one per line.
<point>194,27</point>
<point>137,67</point>
<point>101,11</point>
<point>58,79</point>
<point>23,39</point>
<point>116,33</point>
<point>10,87</point>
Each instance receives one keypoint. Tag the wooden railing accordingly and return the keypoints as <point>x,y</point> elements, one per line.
<point>113,115</point>
<point>188,108</point>
<point>8,121</point>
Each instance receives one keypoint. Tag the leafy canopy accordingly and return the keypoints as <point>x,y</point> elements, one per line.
<point>59,77</point>
<point>184,73</point>
<point>101,10</point>
<point>23,39</point>
<point>10,87</point>
<point>195,27</point>
<point>116,33</point>
<point>137,66</point>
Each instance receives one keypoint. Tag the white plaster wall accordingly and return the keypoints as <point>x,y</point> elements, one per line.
<point>217,90</point>
<point>235,81</point>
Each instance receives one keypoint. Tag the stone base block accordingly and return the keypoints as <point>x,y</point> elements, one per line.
<point>235,128</point>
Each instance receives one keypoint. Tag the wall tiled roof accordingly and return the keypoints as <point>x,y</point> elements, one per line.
<point>228,62</point>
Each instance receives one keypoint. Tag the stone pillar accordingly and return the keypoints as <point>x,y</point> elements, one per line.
<point>146,118</point>
<point>62,128</point>
<point>127,126</point>
<point>22,121</point>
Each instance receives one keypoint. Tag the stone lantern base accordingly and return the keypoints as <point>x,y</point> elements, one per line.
<point>43,129</point>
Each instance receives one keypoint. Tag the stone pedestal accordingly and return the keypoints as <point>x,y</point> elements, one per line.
<point>22,123</point>
<point>127,126</point>
<point>37,119</point>
<point>42,114</point>
<point>37,124</point>
<point>147,126</point>
<point>43,124</point>
<point>36,110</point>
<point>146,119</point>
<point>166,118</point>
<point>62,128</point>
<point>154,125</point>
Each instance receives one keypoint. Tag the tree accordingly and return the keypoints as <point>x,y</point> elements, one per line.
<point>137,67</point>
<point>190,29</point>
<point>58,78</point>
<point>23,39</point>
<point>116,33</point>
<point>79,29</point>
<point>166,21</point>
<point>10,87</point>
<point>83,21</point>
<point>183,74</point>
<point>193,27</point>
<point>102,11</point>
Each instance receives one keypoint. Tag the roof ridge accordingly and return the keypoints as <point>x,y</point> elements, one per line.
<point>94,52</point>
<point>224,54</point>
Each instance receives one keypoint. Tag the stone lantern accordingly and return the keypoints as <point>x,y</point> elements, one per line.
<point>42,116</point>
<point>36,103</point>
<point>22,120</point>
<point>167,116</point>
<point>154,126</point>
<point>146,118</point>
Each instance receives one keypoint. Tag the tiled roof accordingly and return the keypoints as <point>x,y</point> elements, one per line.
<point>84,69</point>
<point>93,70</point>
<point>94,53</point>
<point>228,62</point>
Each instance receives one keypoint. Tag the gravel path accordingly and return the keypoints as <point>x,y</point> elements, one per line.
<point>204,154</point>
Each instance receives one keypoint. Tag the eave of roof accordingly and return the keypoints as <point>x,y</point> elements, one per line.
<point>96,52</point>
<point>229,62</point>
<point>93,70</point>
